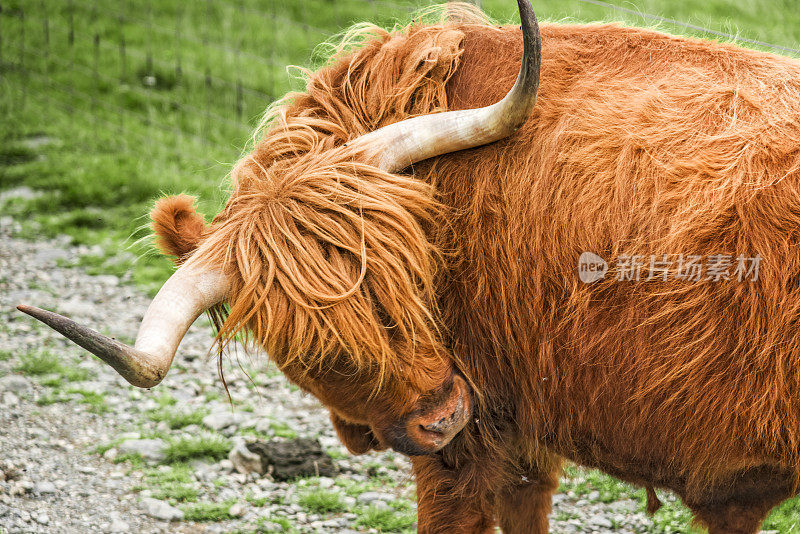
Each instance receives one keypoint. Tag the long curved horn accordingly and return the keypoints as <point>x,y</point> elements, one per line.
<point>184,296</point>
<point>403,143</point>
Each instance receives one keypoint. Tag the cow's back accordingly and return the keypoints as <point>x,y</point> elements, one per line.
<point>640,144</point>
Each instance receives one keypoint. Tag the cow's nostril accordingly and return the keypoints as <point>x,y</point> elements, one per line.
<point>436,427</point>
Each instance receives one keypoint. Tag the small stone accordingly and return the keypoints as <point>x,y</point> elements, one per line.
<point>237,510</point>
<point>245,461</point>
<point>15,383</point>
<point>107,279</point>
<point>326,482</point>
<point>118,525</point>
<point>369,497</point>
<point>149,449</point>
<point>21,487</point>
<point>161,510</point>
<point>221,420</point>
<point>226,465</point>
<point>600,521</point>
<point>44,487</point>
<point>110,454</point>
<point>42,519</point>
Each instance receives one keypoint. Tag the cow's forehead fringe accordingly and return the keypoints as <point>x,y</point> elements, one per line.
<point>330,256</point>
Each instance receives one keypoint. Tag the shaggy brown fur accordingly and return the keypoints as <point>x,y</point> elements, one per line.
<point>366,285</point>
<point>177,226</point>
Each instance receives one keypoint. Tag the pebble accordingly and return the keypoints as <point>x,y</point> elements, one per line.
<point>15,384</point>
<point>161,510</point>
<point>237,510</point>
<point>118,525</point>
<point>370,497</point>
<point>44,487</point>
<point>245,461</point>
<point>221,420</point>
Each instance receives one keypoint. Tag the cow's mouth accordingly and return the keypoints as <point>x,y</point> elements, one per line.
<point>436,421</point>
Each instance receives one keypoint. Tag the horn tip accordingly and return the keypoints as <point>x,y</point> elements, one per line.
<point>30,310</point>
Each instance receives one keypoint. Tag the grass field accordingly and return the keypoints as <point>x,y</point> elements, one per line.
<point>107,104</point>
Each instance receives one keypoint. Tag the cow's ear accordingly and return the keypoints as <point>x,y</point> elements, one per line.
<point>177,226</point>
<point>358,439</point>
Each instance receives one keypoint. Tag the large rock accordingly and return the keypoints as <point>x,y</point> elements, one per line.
<point>149,449</point>
<point>161,510</point>
<point>283,460</point>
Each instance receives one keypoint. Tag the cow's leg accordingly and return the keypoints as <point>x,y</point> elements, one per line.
<point>524,507</point>
<point>741,505</point>
<point>451,500</point>
<point>731,518</point>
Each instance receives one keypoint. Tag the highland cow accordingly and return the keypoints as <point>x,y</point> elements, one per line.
<point>404,244</point>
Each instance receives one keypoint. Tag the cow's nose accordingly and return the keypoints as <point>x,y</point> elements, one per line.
<point>434,427</point>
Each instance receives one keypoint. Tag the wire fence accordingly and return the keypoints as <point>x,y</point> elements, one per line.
<point>178,73</point>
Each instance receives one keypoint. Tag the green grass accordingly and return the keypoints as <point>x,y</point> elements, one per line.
<point>175,492</point>
<point>283,523</point>
<point>105,447</point>
<point>135,460</point>
<point>209,446</point>
<point>282,430</point>
<point>38,363</point>
<point>51,398</point>
<point>785,518</point>
<point>208,511</point>
<point>96,401</point>
<point>386,519</point>
<point>5,355</point>
<point>173,483</point>
<point>320,501</point>
<point>177,418</point>
<point>47,363</point>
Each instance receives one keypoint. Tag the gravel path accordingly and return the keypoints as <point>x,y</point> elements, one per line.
<point>66,421</point>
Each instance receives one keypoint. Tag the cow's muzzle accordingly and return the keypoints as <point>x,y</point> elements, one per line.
<point>438,417</point>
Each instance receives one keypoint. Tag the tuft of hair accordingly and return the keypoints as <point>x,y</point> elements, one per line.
<point>177,225</point>
<point>329,255</point>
